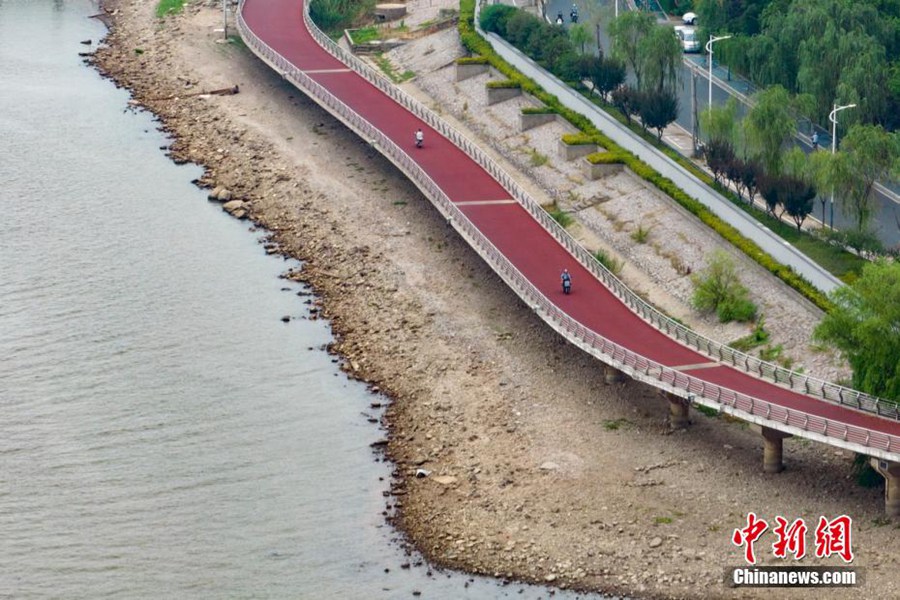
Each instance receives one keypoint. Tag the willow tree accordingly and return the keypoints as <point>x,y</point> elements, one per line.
<point>868,154</point>
<point>627,31</point>
<point>768,126</point>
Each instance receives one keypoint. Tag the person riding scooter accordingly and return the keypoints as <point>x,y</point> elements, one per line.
<point>566,281</point>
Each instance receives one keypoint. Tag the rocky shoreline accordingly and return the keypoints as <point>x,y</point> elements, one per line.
<point>537,469</point>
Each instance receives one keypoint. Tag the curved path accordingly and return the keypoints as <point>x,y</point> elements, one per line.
<point>528,253</point>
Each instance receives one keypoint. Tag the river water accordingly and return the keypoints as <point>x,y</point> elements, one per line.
<point>162,432</point>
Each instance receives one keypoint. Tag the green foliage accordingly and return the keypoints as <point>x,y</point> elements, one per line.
<point>494,18</point>
<point>169,7</point>
<point>864,474</point>
<point>661,56</point>
<point>828,49</point>
<point>758,337</point>
<point>865,326</point>
<point>658,108</point>
<point>721,123</point>
<point>580,35</point>
<point>577,139</point>
<point>537,159</point>
<point>473,60</point>
<point>364,35</point>
<point>840,263</point>
<point>505,84</point>
<point>718,289</point>
<point>538,110</point>
<point>768,126</point>
<point>641,234</point>
<point>560,216</point>
<point>606,75</point>
<point>388,69</point>
<point>613,265</point>
<point>868,153</point>
<point>333,16</point>
<point>627,32</point>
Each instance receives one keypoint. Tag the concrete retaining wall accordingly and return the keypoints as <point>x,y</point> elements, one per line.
<point>599,171</point>
<point>531,120</point>
<point>464,72</point>
<point>497,95</point>
<point>572,151</point>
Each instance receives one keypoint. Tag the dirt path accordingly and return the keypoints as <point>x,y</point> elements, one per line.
<point>538,469</point>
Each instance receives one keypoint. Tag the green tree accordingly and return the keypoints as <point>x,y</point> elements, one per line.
<point>660,58</point>
<point>580,35</point>
<point>658,108</point>
<point>607,75</point>
<point>868,153</point>
<point>797,196</point>
<point>865,326</point>
<point>493,18</point>
<point>768,126</point>
<point>626,32</point>
<point>722,123</point>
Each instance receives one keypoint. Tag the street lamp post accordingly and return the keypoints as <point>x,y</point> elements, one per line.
<point>832,116</point>
<point>710,50</point>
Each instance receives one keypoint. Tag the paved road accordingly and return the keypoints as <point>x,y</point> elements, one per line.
<point>514,233</point>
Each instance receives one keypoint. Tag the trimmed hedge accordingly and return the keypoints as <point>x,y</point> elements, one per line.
<point>505,84</point>
<point>538,110</point>
<point>479,46</point>
<point>472,60</point>
<point>577,139</point>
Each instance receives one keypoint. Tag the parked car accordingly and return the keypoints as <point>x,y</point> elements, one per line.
<point>689,18</point>
<point>688,38</point>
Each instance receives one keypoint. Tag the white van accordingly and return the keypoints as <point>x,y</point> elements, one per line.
<point>688,38</point>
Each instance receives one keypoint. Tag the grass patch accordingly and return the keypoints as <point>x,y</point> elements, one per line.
<point>614,265</point>
<point>560,216</point>
<point>388,69</point>
<point>169,7</point>
<point>364,35</point>
<point>759,337</point>
<point>641,234</point>
<point>537,159</point>
<point>662,520</point>
<point>614,424</point>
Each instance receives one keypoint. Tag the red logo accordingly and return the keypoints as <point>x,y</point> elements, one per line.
<point>832,537</point>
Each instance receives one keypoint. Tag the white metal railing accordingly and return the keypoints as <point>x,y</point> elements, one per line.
<point>644,369</point>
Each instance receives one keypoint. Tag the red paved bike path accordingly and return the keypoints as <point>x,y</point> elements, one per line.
<point>537,255</point>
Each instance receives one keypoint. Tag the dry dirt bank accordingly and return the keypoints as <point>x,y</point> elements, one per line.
<point>539,470</point>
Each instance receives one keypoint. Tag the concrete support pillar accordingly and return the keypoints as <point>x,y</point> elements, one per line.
<point>773,448</point>
<point>679,411</point>
<point>891,473</point>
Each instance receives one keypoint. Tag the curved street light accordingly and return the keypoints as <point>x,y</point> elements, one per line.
<point>832,116</point>
<point>709,49</point>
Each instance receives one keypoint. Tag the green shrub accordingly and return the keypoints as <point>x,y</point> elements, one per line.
<point>577,139</point>
<point>504,84</point>
<point>560,216</point>
<point>333,16</point>
<point>472,60</point>
<point>538,110</point>
<point>613,265</point>
<point>736,309</point>
<point>718,289</point>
